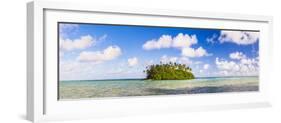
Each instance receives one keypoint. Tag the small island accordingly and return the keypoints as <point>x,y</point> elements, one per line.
<point>168,71</point>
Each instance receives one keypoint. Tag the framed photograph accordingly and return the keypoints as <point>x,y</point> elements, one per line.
<point>95,61</point>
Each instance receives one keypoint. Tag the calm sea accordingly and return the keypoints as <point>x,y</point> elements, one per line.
<point>79,89</point>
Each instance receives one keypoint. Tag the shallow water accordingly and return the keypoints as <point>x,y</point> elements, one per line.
<point>78,89</point>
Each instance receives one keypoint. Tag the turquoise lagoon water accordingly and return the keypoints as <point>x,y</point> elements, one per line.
<point>79,89</point>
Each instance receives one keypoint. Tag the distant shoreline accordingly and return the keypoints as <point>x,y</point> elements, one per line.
<point>158,80</point>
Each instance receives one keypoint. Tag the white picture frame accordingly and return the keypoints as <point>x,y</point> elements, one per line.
<point>42,103</point>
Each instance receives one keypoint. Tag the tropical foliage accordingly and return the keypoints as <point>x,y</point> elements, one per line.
<point>168,71</point>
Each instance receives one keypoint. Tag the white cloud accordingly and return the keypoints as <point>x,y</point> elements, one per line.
<point>244,67</point>
<point>66,29</point>
<point>206,66</point>
<point>202,70</point>
<point>190,52</point>
<point>247,61</point>
<point>227,65</point>
<point>81,43</point>
<point>68,26</point>
<point>132,61</point>
<point>73,70</point>
<point>238,37</point>
<point>224,72</point>
<point>237,55</point>
<point>181,41</point>
<point>109,53</point>
<point>212,39</point>
<point>164,41</point>
<point>184,40</point>
<point>117,71</point>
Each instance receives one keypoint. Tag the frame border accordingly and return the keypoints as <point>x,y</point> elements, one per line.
<point>36,47</point>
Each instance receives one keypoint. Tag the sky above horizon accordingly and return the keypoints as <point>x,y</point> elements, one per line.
<point>91,51</point>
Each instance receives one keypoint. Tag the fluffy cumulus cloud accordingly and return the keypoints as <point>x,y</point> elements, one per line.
<point>191,52</point>
<point>238,37</point>
<point>109,53</point>
<point>243,67</point>
<point>227,65</point>
<point>182,42</point>
<point>132,61</point>
<point>166,41</point>
<point>206,66</point>
<point>81,43</point>
<point>237,55</point>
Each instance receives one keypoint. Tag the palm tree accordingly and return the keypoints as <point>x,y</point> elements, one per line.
<point>168,71</point>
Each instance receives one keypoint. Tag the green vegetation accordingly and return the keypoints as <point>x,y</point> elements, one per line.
<point>170,71</point>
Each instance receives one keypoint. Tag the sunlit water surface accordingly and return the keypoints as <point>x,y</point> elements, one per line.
<point>79,89</point>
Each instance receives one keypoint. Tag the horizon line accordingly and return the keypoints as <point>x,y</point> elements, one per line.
<point>145,78</point>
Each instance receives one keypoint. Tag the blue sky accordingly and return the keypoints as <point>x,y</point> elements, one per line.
<point>91,51</point>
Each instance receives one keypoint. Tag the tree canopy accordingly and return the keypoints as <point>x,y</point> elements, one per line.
<point>168,71</point>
